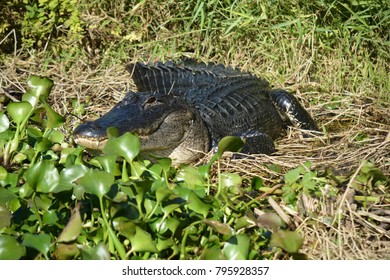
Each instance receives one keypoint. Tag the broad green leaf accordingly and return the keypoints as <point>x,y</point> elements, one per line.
<point>212,253</point>
<point>43,176</point>
<point>25,191</point>
<point>289,241</point>
<point>162,191</point>
<point>40,87</point>
<point>49,217</point>
<point>219,227</point>
<point>73,228</point>
<point>124,226</point>
<point>97,182</point>
<point>172,205</point>
<point>194,203</point>
<point>4,122</point>
<point>55,136</point>
<point>33,100</point>
<point>66,251</point>
<point>165,163</point>
<point>230,144</point>
<point>10,249</point>
<point>159,225</point>
<point>53,118</point>
<point>142,241</point>
<point>191,176</point>
<point>230,180</point>
<point>163,244</point>
<point>69,175</point>
<point>237,247</point>
<point>126,146</point>
<point>172,224</point>
<point>109,164</point>
<point>5,217</point>
<point>6,196</point>
<point>42,145</point>
<point>19,111</point>
<point>40,242</point>
<point>98,252</point>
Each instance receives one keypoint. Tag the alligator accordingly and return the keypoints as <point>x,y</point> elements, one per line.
<point>182,110</point>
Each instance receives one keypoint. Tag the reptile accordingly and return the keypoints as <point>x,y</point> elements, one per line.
<point>181,110</point>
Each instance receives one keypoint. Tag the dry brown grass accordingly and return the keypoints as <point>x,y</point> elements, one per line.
<point>346,230</point>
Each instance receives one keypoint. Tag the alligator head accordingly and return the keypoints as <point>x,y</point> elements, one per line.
<point>165,124</point>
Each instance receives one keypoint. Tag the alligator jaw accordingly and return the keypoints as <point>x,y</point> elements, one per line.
<point>94,144</point>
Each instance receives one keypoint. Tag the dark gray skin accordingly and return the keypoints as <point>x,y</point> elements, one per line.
<point>181,109</point>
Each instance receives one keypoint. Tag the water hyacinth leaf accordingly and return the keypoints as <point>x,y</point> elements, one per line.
<point>19,111</point>
<point>53,118</point>
<point>162,192</point>
<point>165,163</point>
<point>230,144</point>
<point>33,100</point>
<point>40,242</point>
<point>6,196</point>
<point>73,228</point>
<point>289,241</point>
<point>65,251</point>
<point>55,136</point>
<point>230,180</point>
<point>172,224</point>
<point>126,146</point>
<point>163,244</point>
<point>4,122</point>
<point>10,249</point>
<point>194,203</point>
<point>219,227</point>
<point>3,173</point>
<point>109,164</point>
<point>97,182</point>
<point>124,226</point>
<point>49,217</point>
<point>43,176</point>
<point>191,176</point>
<point>237,247</point>
<point>5,217</point>
<point>25,191</point>
<point>159,225</point>
<point>40,87</point>
<point>212,253</point>
<point>98,252</point>
<point>42,145</point>
<point>142,241</point>
<point>69,175</point>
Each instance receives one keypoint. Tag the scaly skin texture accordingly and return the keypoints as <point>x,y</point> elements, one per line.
<point>183,108</point>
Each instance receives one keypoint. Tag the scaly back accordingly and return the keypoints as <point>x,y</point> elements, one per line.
<point>176,79</point>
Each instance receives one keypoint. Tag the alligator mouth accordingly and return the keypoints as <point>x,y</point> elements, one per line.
<point>91,143</point>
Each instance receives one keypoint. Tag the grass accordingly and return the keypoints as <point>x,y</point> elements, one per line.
<point>333,56</point>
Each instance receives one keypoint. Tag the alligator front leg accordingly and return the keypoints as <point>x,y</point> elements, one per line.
<point>286,103</point>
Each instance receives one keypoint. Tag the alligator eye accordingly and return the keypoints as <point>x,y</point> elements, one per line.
<point>151,101</point>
